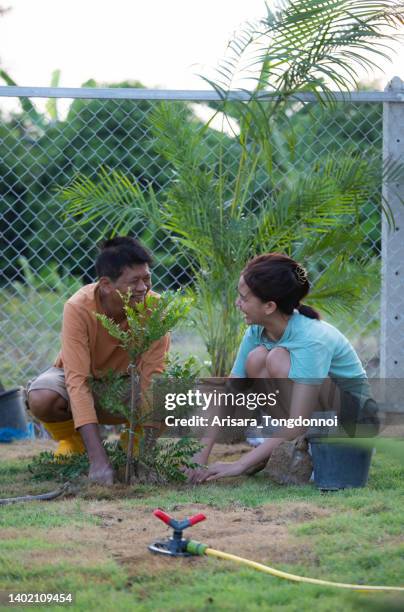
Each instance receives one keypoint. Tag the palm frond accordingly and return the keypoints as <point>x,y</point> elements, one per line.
<point>342,286</point>
<point>316,44</point>
<point>113,197</point>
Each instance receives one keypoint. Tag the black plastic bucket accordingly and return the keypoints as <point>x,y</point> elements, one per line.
<point>339,466</point>
<point>13,420</point>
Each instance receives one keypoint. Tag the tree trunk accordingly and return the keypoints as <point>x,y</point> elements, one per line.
<point>134,382</point>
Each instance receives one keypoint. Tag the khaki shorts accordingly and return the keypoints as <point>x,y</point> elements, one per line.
<point>52,379</point>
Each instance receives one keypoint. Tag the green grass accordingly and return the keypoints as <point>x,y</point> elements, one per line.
<point>219,589</point>
<point>358,539</point>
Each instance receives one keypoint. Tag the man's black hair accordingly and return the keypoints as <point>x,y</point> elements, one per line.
<point>118,253</point>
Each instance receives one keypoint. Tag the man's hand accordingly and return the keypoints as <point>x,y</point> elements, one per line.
<point>222,470</point>
<point>101,470</point>
<point>101,473</point>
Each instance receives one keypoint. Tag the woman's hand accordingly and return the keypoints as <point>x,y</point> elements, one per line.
<point>221,470</point>
<point>249,463</point>
<point>194,475</point>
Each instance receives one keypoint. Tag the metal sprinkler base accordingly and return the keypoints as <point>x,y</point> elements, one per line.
<point>165,547</point>
<point>176,546</point>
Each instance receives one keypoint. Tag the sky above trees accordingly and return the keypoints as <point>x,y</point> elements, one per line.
<point>162,44</point>
<point>156,42</point>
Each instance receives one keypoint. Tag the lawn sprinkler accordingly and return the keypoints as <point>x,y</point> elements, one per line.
<point>177,546</point>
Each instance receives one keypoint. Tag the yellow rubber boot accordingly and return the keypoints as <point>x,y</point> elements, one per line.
<point>69,439</point>
<point>124,439</point>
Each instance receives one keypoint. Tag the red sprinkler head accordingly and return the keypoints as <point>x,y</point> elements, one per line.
<point>176,545</point>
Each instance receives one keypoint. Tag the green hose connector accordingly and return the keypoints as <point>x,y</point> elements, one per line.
<point>196,548</point>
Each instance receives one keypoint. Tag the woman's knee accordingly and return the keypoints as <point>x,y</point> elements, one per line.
<point>43,402</point>
<point>278,362</point>
<point>255,364</point>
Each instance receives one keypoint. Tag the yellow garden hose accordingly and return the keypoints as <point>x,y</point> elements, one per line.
<point>178,546</point>
<point>274,572</point>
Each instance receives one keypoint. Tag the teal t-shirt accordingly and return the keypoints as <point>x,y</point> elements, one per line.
<point>317,350</point>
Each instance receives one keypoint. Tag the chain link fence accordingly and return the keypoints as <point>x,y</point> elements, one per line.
<point>45,256</point>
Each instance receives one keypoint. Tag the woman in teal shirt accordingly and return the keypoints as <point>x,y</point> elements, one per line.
<point>287,340</point>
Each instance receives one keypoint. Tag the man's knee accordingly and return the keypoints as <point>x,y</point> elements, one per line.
<point>43,403</point>
<point>278,362</point>
<point>255,363</point>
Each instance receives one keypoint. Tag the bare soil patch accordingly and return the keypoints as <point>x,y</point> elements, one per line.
<point>261,534</point>
<point>229,452</point>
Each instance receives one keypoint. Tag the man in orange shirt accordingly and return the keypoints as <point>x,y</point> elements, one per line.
<point>61,397</point>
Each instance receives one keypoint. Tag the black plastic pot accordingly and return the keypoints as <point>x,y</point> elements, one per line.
<point>339,466</point>
<point>13,420</point>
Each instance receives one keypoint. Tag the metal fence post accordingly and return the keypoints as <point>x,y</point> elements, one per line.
<point>392,299</point>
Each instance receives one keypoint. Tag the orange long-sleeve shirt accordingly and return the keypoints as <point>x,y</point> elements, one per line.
<point>89,350</point>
